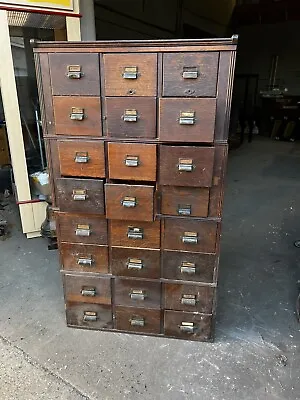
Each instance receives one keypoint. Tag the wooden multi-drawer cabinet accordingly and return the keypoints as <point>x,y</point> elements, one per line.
<point>136,139</point>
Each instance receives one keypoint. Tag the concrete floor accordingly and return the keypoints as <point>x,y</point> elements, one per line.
<point>256,352</point>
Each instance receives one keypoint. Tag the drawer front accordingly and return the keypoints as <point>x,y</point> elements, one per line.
<point>74,74</point>
<point>81,158</point>
<point>77,116</point>
<point>188,297</point>
<point>83,289</point>
<point>92,316</point>
<point>187,120</point>
<point>186,166</point>
<point>138,320</point>
<point>129,202</point>
<point>80,195</point>
<point>137,293</point>
<point>131,117</point>
<point>84,258</point>
<point>130,74</point>
<point>188,202</point>
<point>75,228</point>
<point>135,234</point>
<point>188,325</point>
<point>188,266</point>
<point>190,74</point>
<point>190,235</point>
<point>132,161</point>
<point>136,263</point>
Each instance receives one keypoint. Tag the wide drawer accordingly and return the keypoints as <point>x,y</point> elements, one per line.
<point>135,234</point>
<point>92,316</point>
<point>192,326</point>
<point>80,195</point>
<point>137,263</point>
<point>186,166</point>
<point>138,319</point>
<point>137,293</point>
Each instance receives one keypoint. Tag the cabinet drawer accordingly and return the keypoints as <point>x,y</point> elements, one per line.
<point>138,320</point>
<point>186,166</point>
<point>129,202</point>
<point>81,158</point>
<point>74,228</point>
<point>188,266</point>
<point>188,325</point>
<point>137,263</point>
<point>135,234</point>
<point>87,289</point>
<point>190,235</point>
<point>188,202</point>
<point>137,293</point>
<point>80,195</point>
<point>84,258</point>
<point>132,161</point>
<point>130,74</point>
<point>74,74</point>
<point>131,117</point>
<point>187,120</point>
<point>92,316</point>
<point>188,297</point>
<point>190,74</point>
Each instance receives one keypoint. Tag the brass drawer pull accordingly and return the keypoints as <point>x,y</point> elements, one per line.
<point>130,73</point>
<point>190,73</point>
<point>186,165</point>
<point>83,230</point>
<point>187,118</point>
<point>190,237</point>
<point>74,72</point>
<point>189,299</point>
<point>89,292</point>
<point>85,261</point>
<point>81,157</point>
<point>187,327</point>
<point>137,294</point>
<point>132,161</point>
<point>79,195</point>
<point>90,316</point>
<point>135,263</point>
<point>137,321</point>
<point>129,202</point>
<point>188,268</point>
<point>130,116</point>
<point>135,233</point>
<point>77,114</point>
<point>184,209</point>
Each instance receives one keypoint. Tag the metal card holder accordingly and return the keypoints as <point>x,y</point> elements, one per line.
<point>190,238</point>
<point>74,72</point>
<point>79,194</point>
<point>188,268</point>
<point>83,230</point>
<point>85,261</point>
<point>135,233</point>
<point>130,72</point>
<point>188,299</point>
<point>187,327</point>
<point>137,321</point>
<point>185,165</point>
<point>135,263</point>
<point>90,316</point>
<point>88,291</point>
<point>77,114</point>
<point>137,294</point>
<point>132,161</point>
<point>81,157</point>
<point>190,73</point>
<point>129,202</point>
<point>187,118</point>
<point>184,209</point>
<point>130,116</point>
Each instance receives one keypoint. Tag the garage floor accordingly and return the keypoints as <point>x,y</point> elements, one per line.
<point>256,353</point>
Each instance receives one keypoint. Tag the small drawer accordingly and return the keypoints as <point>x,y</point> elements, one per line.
<point>188,297</point>
<point>74,74</point>
<point>84,258</point>
<point>136,263</point>
<point>187,120</point>
<point>87,289</point>
<point>131,117</point>
<point>186,166</point>
<point>77,116</point>
<point>129,202</point>
<point>80,195</point>
<point>92,316</point>
<point>137,293</point>
<point>81,158</point>
<point>190,74</point>
<point>130,74</point>
<point>132,161</point>
<point>188,325</point>
<point>190,235</point>
<point>186,202</point>
<point>74,228</point>
<point>135,234</point>
<point>188,266</point>
<point>138,320</point>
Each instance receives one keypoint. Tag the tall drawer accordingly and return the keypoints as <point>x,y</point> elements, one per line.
<point>138,263</point>
<point>187,325</point>
<point>84,258</point>
<point>186,166</point>
<point>187,120</point>
<point>74,228</point>
<point>80,195</point>
<point>74,74</point>
<point>87,289</point>
<point>190,74</point>
<point>135,234</point>
<point>137,293</point>
<point>88,315</point>
<point>77,116</point>
<point>190,235</point>
<point>129,202</point>
<point>132,161</point>
<point>131,117</point>
<point>81,158</point>
<point>138,320</point>
<point>131,74</point>
<point>187,297</point>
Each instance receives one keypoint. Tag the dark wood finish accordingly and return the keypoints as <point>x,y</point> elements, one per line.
<point>91,316</point>
<point>176,66</point>
<point>87,289</point>
<point>138,319</point>
<point>217,189</point>
<point>202,329</point>
<point>84,258</point>
<point>137,293</point>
